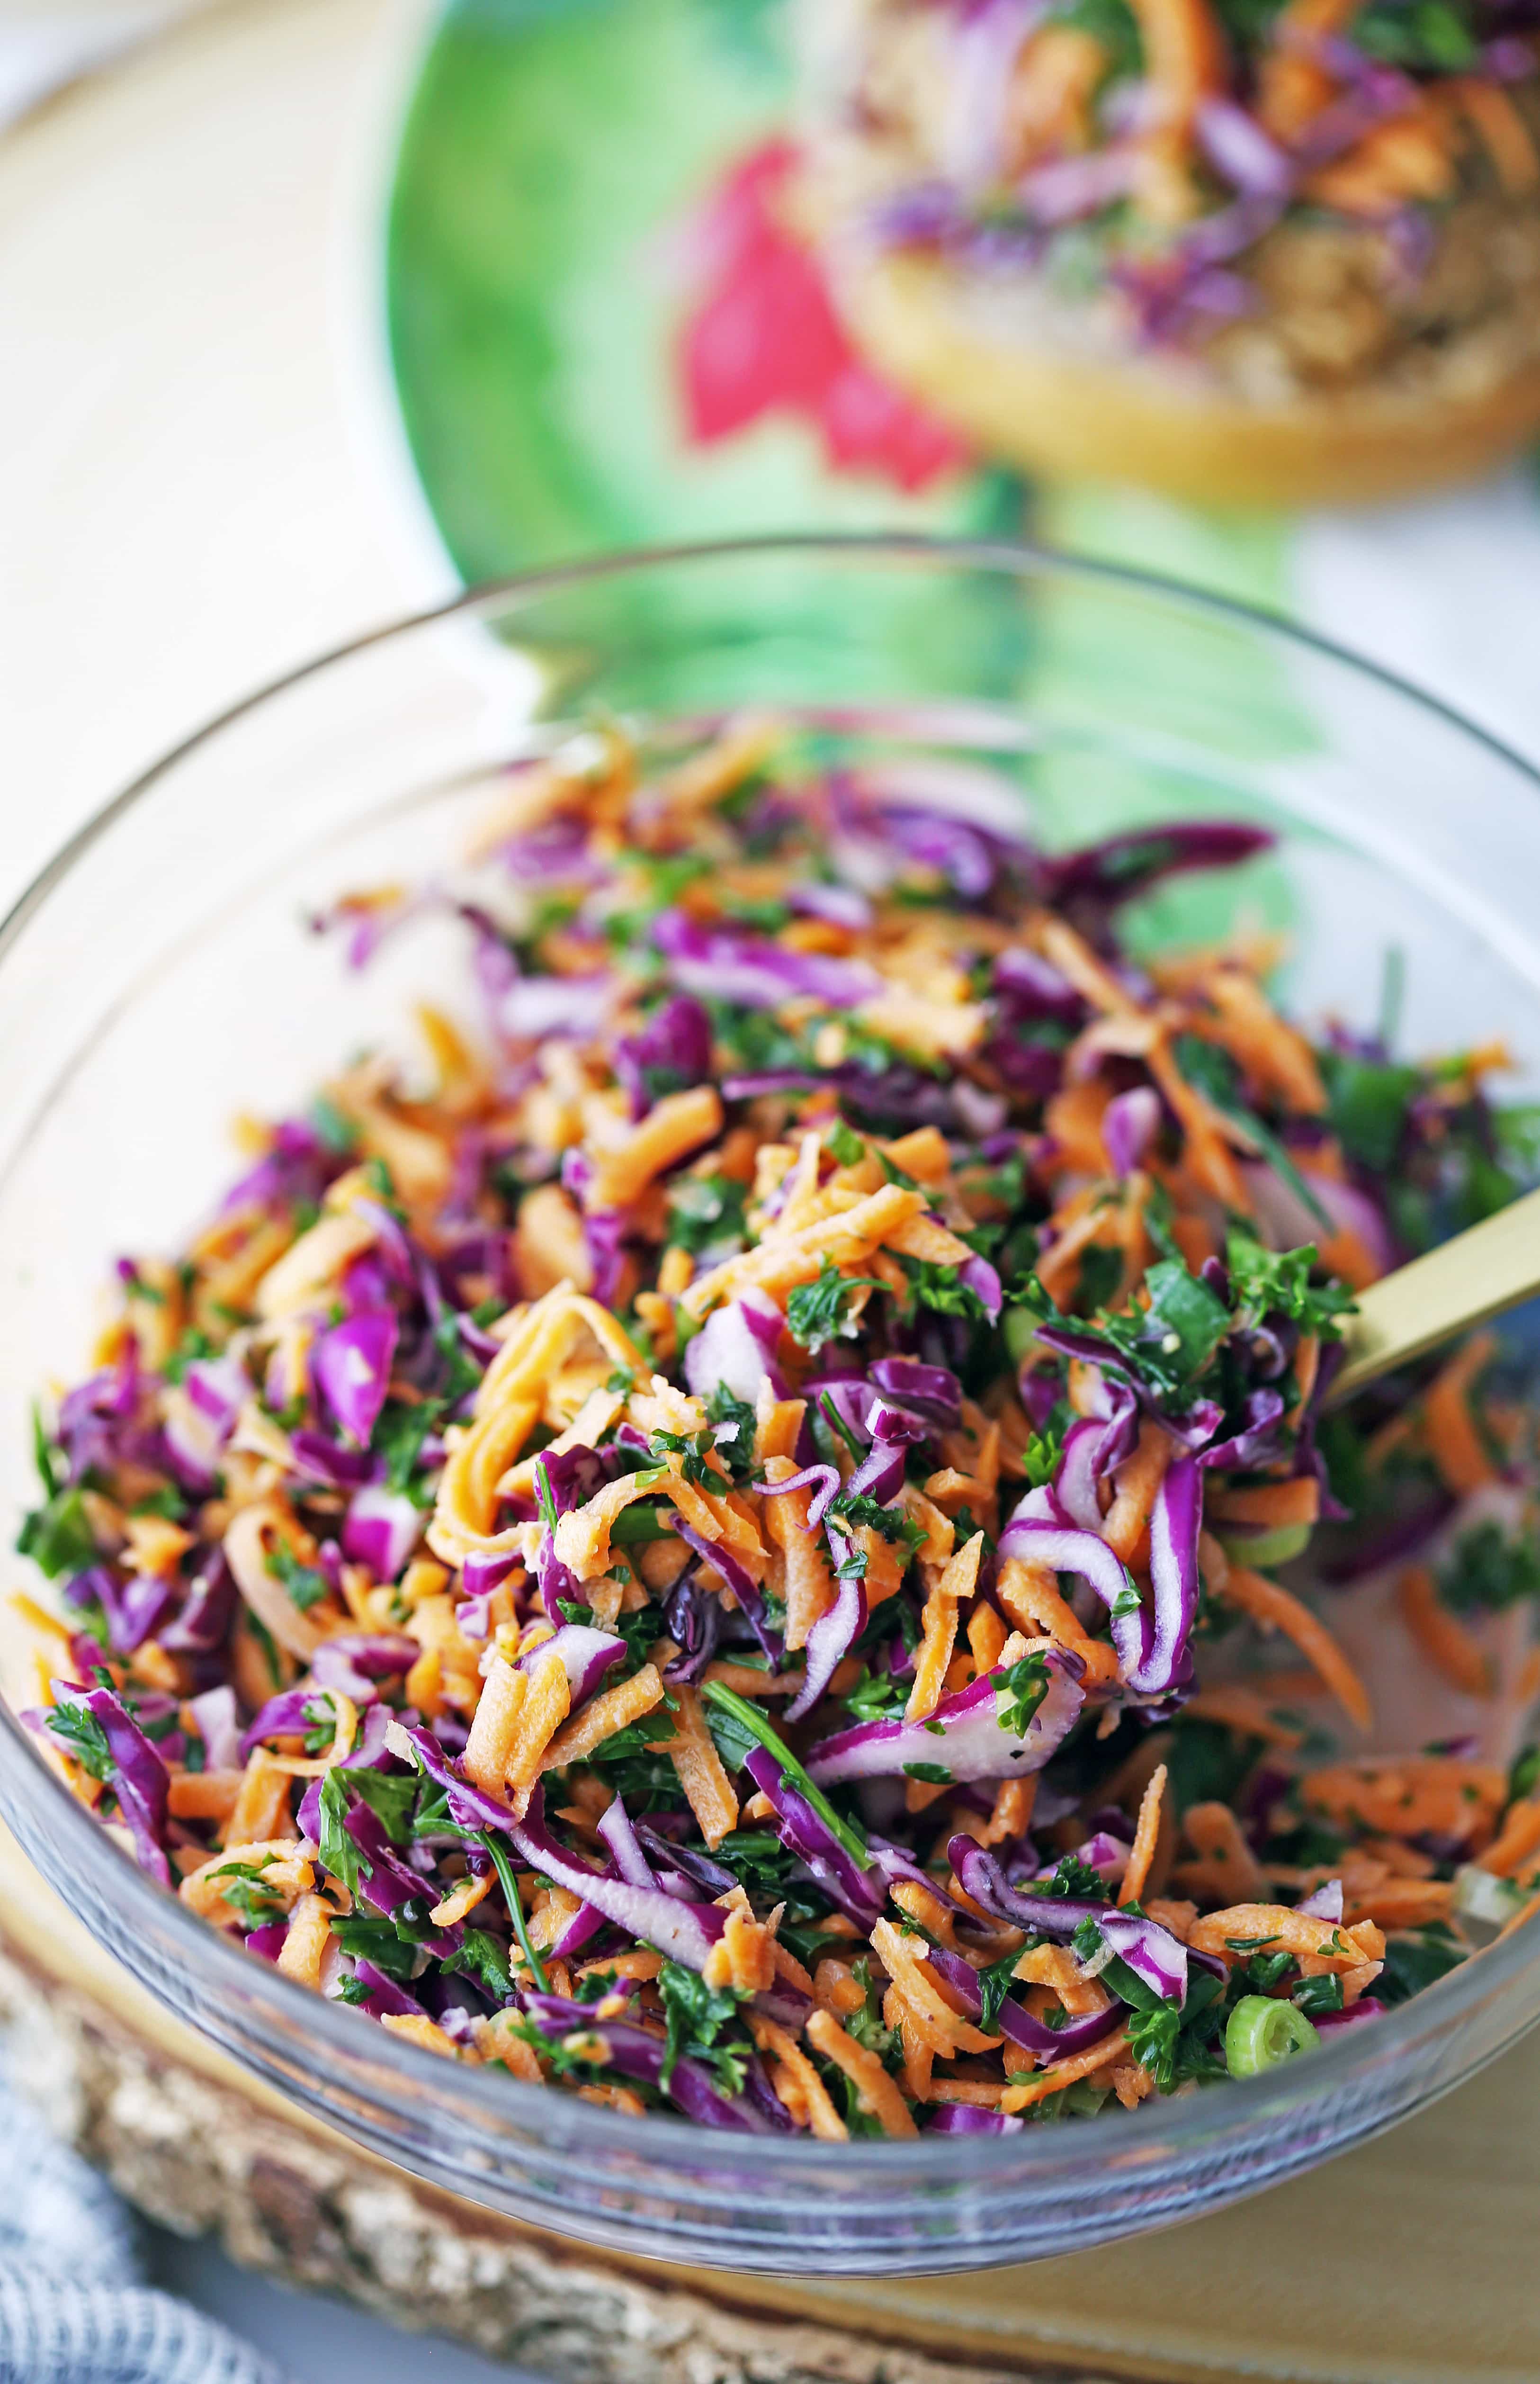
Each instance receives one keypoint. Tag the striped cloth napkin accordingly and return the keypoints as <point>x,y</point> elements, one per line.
<point>73,2308</point>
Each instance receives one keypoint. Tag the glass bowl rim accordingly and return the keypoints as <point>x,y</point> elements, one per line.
<point>1090,2143</point>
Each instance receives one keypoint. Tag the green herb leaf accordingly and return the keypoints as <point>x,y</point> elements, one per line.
<point>818,1313</point>
<point>1415,1960</point>
<point>77,1728</point>
<point>338,1854</point>
<point>1277,1282</point>
<point>1216,1076</point>
<point>735,1445</point>
<point>696,2016</point>
<point>1020,1689</point>
<point>304,1586</point>
<point>247,1893</point>
<point>723,1703</point>
<point>57,1536</point>
<point>1488,1571</point>
<point>706,1213</point>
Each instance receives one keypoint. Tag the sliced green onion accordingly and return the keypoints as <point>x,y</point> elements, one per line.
<point>749,1718</point>
<point>826,1400</point>
<point>1482,1895</point>
<point>515,1902</point>
<point>1019,1327</point>
<point>1262,2032</point>
<point>1262,1549</point>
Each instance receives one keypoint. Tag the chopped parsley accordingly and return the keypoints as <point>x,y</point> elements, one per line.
<point>303,1584</point>
<point>706,1213</point>
<point>1215,1073</point>
<point>79,1730</point>
<point>248,1894</point>
<point>57,1535</point>
<point>1020,1690</point>
<point>696,2016</point>
<point>876,1696</point>
<point>1489,1571</point>
<point>819,1313</point>
<point>732,1422</point>
<point>1277,1282</point>
<point>1416,1959</point>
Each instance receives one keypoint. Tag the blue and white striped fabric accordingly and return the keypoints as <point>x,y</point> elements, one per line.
<point>73,2309</point>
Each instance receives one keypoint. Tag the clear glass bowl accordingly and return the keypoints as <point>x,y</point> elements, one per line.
<point>158,979</point>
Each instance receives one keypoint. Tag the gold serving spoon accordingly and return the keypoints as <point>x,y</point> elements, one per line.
<point>1490,1267</point>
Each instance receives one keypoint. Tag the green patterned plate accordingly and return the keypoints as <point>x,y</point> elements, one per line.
<point>604,331</point>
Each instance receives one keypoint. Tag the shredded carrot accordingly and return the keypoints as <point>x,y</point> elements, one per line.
<point>1516,1841</point>
<point>782,1260</point>
<point>1410,1796</point>
<point>612,1710</point>
<point>985,1638</point>
<point>1272,1606</point>
<point>1235,1934</point>
<point>797,2082</point>
<point>835,1986</point>
<point>1024,2091</point>
<point>204,1796</point>
<point>552,1246</point>
<point>285,1871</point>
<point>1453,1440</point>
<point>1295,85</point>
<point>875,2092</point>
<point>744,1956</point>
<point>1147,1832</point>
<point>1226,1869</point>
<point>494,1726</point>
<point>1408,159</point>
<point>1401,1903</point>
<point>1274,1054</point>
<point>807,1577</point>
<point>415,2028</point>
<point>261,1809</point>
<point>1271,1504</point>
<point>496,2041</point>
<point>693,1752</point>
<point>1031,1597</point>
<point>1206,1158</point>
<point>673,1127</point>
<point>1054,1966</point>
<point>1504,133</point>
<point>461,1899</point>
<point>1135,1484</point>
<point>308,1935</point>
<point>1247,1711</point>
<point>1442,1637</point>
<point>939,1627</point>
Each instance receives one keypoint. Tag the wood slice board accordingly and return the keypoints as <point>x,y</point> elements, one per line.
<point>1410,2261</point>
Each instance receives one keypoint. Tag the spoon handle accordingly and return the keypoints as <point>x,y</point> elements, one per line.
<point>1490,1267</point>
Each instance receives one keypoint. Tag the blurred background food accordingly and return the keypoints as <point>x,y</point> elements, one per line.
<point>1239,250</point>
<point>660,198</point>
